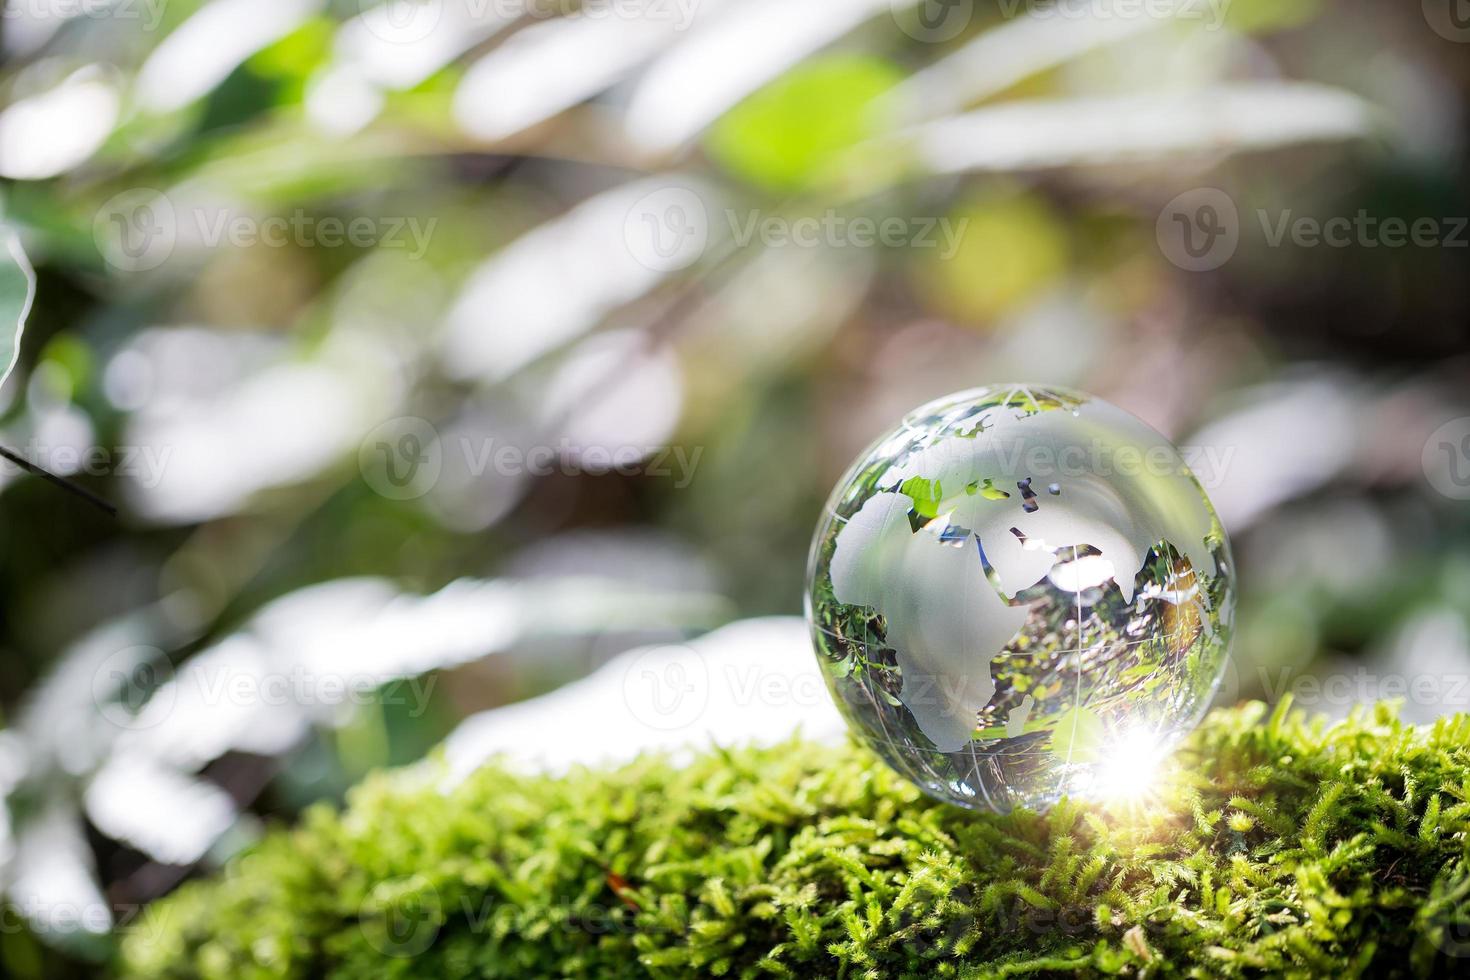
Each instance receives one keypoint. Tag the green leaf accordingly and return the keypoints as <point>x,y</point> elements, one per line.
<point>1078,736</point>
<point>786,136</point>
<point>17,292</point>
<point>925,494</point>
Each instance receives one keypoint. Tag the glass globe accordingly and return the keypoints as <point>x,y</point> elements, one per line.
<point>1019,594</point>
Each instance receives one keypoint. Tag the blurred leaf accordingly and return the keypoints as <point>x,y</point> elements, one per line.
<point>554,65</point>
<point>290,62</point>
<point>207,48</point>
<point>286,165</point>
<point>535,734</point>
<point>17,292</point>
<point>1010,249</point>
<point>525,283</point>
<point>746,46</point>
<point>787,135</point>
<point>1137,128</point>
<point>299,53</point>
<point>1078,737</point>
<point>167,814</point>
<point>1264,16</point>
<point>71,360</point>
<point>400,46</point>
<point>54,872</point>
<point>1004,56</point>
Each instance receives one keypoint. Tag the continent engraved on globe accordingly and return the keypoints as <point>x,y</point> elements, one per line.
<point>1011,583</point>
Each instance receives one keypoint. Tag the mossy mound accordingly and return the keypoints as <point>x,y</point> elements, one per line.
<point>1277,846</point>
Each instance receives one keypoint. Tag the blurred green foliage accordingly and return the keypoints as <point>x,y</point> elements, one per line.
<point>788,135</point>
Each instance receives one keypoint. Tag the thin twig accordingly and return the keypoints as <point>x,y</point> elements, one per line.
<point>61,482</point>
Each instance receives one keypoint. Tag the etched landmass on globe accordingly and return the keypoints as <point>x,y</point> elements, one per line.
<point>1015,583</point>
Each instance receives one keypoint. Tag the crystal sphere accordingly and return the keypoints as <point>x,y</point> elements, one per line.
<point>1019,594</point>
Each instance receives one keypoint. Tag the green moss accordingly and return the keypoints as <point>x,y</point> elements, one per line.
<point>1278,846</point>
